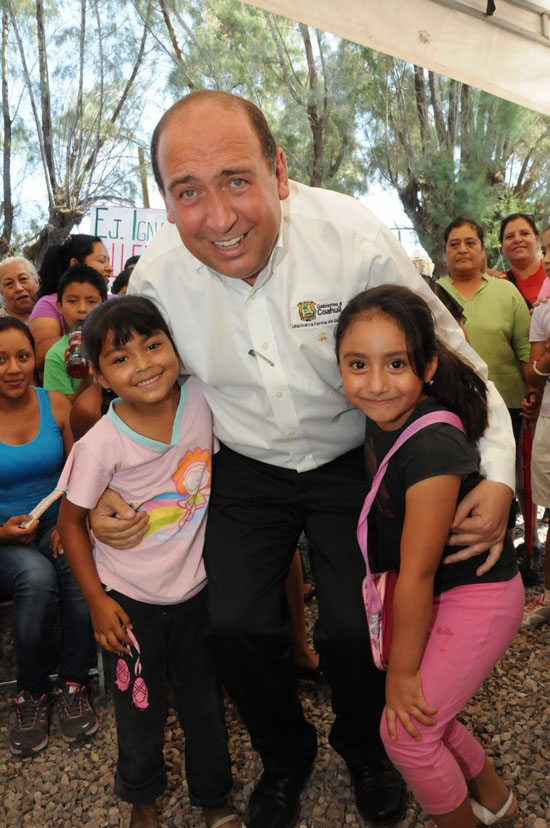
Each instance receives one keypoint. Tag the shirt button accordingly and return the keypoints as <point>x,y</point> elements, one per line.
<point>291,433</point>
<point>279,394</point>
<point>265,346</point>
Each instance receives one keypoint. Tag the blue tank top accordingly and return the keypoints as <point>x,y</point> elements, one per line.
<point>31,471</point>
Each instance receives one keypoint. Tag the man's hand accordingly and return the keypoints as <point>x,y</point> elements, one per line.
<point>117,524</point>
<point>480,523</point>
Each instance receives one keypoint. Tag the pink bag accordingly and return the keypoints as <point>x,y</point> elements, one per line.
<point>378,588</point>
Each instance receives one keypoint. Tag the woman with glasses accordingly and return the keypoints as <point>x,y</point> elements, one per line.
<point>520,242</point>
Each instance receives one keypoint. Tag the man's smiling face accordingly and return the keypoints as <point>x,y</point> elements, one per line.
<point>219,190</point>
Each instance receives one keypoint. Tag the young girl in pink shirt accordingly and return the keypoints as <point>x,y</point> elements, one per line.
<point>148,603</point>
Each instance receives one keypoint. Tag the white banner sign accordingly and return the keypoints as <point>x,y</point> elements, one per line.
<point>125,231</point>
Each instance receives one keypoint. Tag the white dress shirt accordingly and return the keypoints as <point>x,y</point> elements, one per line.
<point>265,353</point>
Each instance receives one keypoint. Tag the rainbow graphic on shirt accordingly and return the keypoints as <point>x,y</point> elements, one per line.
<point>192,480</point>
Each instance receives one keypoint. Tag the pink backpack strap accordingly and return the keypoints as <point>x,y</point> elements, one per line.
<point>426,420</point>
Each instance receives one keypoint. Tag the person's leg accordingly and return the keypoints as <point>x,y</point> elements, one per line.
<point>537,611</point>
<point>76,628</point>
<point>471,628</point>
<point>138,683</point>
<point>305,658</point>
<point>30,581</point>
<point>77,719</point>
<point>193,674</point>
<point>333,496</point>
<point>251,534</point>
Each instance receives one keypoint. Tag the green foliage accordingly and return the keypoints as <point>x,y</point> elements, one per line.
<point>451,150</point>
<point>344,115</point>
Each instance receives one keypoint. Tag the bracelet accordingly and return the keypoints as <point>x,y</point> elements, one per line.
<point>536,370</point>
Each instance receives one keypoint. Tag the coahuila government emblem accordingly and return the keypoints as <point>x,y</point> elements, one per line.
<point>307,311</point>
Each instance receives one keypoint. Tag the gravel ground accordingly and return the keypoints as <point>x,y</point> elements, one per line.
<point>64,787</point>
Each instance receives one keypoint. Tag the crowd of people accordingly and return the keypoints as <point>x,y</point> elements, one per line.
<point>274,356</point>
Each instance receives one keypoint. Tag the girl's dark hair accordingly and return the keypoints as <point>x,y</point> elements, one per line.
<point>9,322</point>
<point>460,221</point>
<point>528,217</point>
<point>57,258</point>
<point>82,274</point>
<point>455,383</point>
<point>122,317</point>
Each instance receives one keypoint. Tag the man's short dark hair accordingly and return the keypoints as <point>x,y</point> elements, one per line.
<point>254,113</point>
<point>460,221</point>
<point>82,274</point>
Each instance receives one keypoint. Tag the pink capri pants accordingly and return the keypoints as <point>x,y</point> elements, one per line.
<point>471,628</point>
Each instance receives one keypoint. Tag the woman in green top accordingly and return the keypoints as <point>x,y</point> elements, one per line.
<point>496,315</point>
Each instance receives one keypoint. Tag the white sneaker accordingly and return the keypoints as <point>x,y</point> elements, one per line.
<point>536,612</point>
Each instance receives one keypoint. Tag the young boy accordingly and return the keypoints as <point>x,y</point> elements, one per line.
<point>80,289</point>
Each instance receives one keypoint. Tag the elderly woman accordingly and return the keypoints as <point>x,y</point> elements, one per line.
<point>18,287</point>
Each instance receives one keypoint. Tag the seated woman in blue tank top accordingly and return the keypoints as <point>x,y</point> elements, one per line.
<point>35,437</point>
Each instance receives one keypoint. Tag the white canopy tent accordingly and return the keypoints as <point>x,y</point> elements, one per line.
<point>507,54</point>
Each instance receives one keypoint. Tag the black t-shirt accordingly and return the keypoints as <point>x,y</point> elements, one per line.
<point>435,450</point>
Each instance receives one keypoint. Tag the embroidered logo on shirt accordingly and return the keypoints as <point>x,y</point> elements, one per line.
<point>307,311</point>
<point>313,313</point>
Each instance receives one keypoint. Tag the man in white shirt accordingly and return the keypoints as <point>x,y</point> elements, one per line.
<point>251,272</point>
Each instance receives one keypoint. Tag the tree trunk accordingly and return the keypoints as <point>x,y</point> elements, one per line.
<point>421,105</point>
<point>45,103</point>
<point>61,221</point>
<point>5,239</point>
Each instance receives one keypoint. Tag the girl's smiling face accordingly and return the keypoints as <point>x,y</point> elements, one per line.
<point>376,370</point>
<point>143,371</point>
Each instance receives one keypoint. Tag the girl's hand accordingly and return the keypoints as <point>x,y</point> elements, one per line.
<point>55,544</point>
<point>108,621</point>
<point>12,532</point>
<point>405,701</point>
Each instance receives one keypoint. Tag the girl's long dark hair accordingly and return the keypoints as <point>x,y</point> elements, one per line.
<point>455,384</point>
<point>57,260</point>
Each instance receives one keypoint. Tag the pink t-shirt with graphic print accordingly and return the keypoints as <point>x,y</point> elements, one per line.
<point>171,482</point>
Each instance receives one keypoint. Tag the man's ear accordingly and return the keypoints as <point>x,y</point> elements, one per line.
<point>281,174</point>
